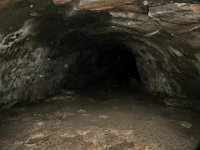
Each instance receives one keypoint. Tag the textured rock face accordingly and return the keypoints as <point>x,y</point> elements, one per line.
<point>5,3</point>
<point>61,2</point>
<point>39,54</point>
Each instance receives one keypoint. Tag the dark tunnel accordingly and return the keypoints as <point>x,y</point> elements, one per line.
<point>100,59</point>
<point>104,63</point>
<point>99,75</point>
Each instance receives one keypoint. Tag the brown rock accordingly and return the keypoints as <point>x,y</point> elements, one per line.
<point>61,2</point>
<point>138,147</point>
<point>195,8</point>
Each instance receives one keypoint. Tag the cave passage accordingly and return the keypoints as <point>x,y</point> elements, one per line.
<point>104,63</point>
<point>99,75</point>
<point>95,56</point>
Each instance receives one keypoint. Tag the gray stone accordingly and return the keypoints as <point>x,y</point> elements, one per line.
<point>43,54</point>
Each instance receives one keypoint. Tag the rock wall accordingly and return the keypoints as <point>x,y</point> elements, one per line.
<point>5,3</point>
<point>37,52</point>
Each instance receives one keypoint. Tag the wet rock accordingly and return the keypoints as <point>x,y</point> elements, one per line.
<point>63,115</point>
<point>81,111</point>
<point>81,132</point>
<point>145,3</point>
<point>31,6</point>
<point>68,135</point>
<point>61,2</point>
<point>171,102</point>
<point>152,147</point>
<point>37,138</point>
<point>40,124</point>
<point>186,124</point>
<point>85,115</point>
<point>137,146</point>
<point>171,12</point>
<point>103,116</point>
<point>18,143</point>
<point>30,145</point>
<point>68,92</point>
<point>163,37</point>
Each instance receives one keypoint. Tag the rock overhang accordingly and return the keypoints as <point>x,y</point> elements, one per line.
<point>162,35</point>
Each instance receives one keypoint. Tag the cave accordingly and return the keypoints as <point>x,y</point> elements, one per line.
<point>99,75</point>
<point>104,62</point>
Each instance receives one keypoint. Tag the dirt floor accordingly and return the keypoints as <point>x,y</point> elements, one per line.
<point>99,120</point>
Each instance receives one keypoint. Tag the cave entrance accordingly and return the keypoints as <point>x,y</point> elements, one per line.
<point>103,62</point>
<point>88,52</point>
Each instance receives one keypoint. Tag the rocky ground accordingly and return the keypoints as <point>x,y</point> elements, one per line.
<point>99,120</point>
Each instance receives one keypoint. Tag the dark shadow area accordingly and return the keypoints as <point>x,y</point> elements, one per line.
<point>95,57</point>
<point>103,62</point>
<point>198,147</point>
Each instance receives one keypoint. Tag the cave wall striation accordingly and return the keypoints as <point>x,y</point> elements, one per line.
<point>40,43</point>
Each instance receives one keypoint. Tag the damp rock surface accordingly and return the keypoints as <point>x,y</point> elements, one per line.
<point>52,45</point>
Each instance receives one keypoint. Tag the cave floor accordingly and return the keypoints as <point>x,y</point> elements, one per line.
<point>98,120</point>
